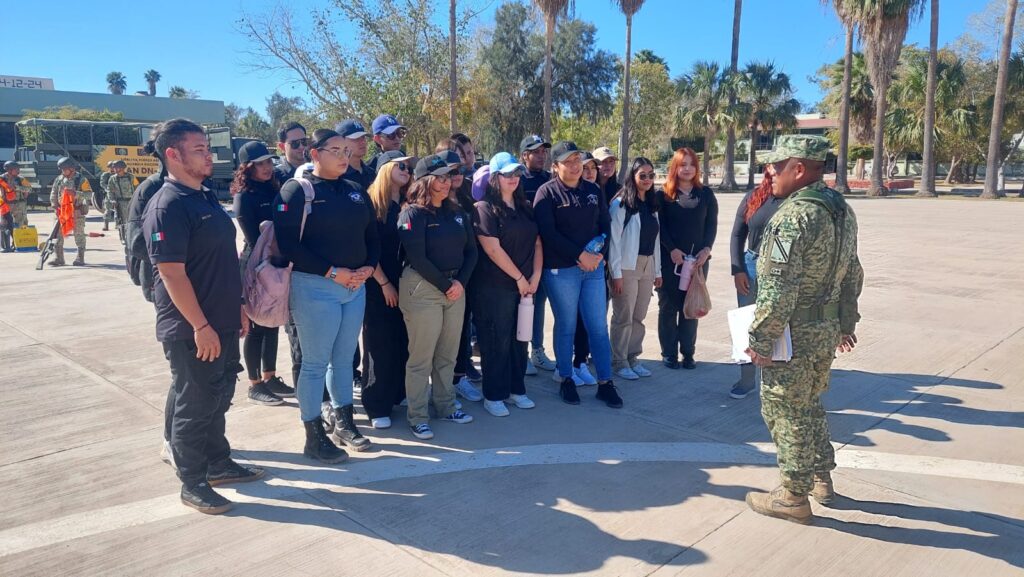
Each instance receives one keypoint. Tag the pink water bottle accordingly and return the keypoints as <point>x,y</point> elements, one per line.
<point>685,272</point>
<point>524,324</point>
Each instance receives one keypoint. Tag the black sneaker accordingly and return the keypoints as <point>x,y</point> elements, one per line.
<point>472,374</point>
<point>568,392</point>
<point>609,394</point>
<point>278,387</point>
<point>204,499</point>
<point>670,362</point>
<point>689,363</point>
<point>231,472</point>
<point>259,394</point>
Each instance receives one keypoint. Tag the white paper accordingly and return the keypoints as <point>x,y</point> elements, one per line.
<point>739,328</point>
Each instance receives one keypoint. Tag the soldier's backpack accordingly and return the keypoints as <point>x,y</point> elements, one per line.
<point>265,285</point>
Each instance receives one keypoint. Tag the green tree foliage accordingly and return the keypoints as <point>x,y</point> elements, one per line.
<point>862,95</point>
<point>765,102</point>
<point>704,94</point>
<point>181,92</point>
<point>152,77</point>
<point>252,125</point>
<point>652,98</point>
<point>281,109</point>
<point>116,82</point>
<point>647,55</point>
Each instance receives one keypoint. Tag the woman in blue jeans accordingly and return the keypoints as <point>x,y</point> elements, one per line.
<point>753,214</point>
<point>333,252</point>
<point>569,215</point>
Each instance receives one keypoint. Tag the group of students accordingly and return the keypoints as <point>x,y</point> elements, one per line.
<point>416,255</point>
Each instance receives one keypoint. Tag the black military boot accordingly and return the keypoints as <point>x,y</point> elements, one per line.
<point>319,446</point>
<point>345,430</point>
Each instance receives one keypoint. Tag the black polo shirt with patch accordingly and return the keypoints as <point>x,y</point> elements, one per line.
<point>184,225</point>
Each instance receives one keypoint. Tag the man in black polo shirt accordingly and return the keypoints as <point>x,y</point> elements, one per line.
<point>199,317</point>
<point>292,142</point>
<point>533,151</point>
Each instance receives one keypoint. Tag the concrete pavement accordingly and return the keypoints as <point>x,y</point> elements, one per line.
<point>927,416</point>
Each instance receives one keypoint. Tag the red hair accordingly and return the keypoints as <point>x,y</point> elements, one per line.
<point>671,188</point>
<point>759,196</point>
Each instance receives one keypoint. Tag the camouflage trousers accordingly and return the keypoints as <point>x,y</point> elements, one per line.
<point>109,208</point>
<point>79,233</point>
<point>791,407</point>
<point>19,210</point>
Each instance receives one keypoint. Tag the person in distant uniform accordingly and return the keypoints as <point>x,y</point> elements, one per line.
<point>77,186</point>
<point>120,187</point>
<point>810,278</point>
<point>107,206</point>
<point>22,188</point>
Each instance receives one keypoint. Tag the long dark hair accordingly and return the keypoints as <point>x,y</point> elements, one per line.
<point>419,195</point>
<point>493,197</point>
<point>243,179</point>
<point>629,194</point>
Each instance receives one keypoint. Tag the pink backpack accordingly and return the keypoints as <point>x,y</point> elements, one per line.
<point>266,287</point>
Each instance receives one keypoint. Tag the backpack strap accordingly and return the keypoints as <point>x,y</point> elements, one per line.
<point>835,205</point>
<point>307,188</point>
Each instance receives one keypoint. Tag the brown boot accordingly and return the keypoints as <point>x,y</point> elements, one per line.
<point>823,491</point>
<point>58,259</point>
<point>80,259</point>
<point>781,504</point>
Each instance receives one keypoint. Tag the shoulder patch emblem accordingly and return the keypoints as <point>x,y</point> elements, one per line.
<point>780,250</point>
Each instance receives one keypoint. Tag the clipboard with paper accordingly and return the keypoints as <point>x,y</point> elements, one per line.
<point>739,328</point>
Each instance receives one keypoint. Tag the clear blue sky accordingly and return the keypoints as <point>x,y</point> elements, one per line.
<point>207,56</point>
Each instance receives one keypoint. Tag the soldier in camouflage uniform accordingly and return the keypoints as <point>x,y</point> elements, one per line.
<point>19,208</point>
<point>812,279</point>
<point>119,191</point>
<point>70,180</point>
<point>108,205</point>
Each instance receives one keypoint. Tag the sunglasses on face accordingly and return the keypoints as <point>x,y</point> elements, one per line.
<point>401,166</point>
<point>298,143</point>
<point>514,174</point>
<point>444,177</point>
<point>645,175</point>
<point>396,135</point>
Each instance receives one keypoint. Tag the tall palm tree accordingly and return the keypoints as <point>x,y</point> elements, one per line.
<point>842,161</point>
<point>861,99</point>
<point>551,9</point>
<point>628,8</point>
<point>704,99</point>
<point>882,27</point>
<point>453,82</point>
<point>928,155</point>
<point>116,83</point>
<point>177,92</point>
<point>728,175</point>
<point>152,77</point>
<point>993,164</point>
<point>766,100</point>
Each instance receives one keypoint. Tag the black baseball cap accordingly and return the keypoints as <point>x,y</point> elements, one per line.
<point>452,158</point>
<point>563,150</point>
<point>350,128</point>
<point>391,156</point>
<point>533,142</point>
<point>433,165</point>
<point>253,151</point>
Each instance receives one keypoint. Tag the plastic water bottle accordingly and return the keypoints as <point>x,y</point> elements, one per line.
<point>685,272</point>
<point>524,324</point>
<point>596,244</point>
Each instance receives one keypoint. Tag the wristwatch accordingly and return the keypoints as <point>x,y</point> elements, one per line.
<point>334,273</point>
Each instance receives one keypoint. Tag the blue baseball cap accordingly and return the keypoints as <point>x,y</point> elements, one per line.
<point>504,163</point>
<point>386,124</point>
<point>350,128</point>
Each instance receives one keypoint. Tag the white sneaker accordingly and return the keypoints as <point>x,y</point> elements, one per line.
<point>496,408</point>
<point>558,378</point>
<point>381,423</point>
<point>541,360</point>
<point>530,369</point>
<point>582,376</point>
<point>467,391</point>
<point>627,373</point>
<point>458,405</point>
<point>522,401</point>
<point>641,370</point>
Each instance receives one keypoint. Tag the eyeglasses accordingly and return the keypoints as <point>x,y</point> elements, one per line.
<point>514,174</point>
<point>298,143</point>
<point>338,152</point>
<point>645,175</point>
<point>396,135</point>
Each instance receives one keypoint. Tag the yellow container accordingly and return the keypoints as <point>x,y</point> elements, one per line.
<point>26,239</point>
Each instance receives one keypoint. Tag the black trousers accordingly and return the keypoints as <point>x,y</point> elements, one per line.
<point>386,351</point>
<point>260,349</point>
<point>502,357</point>
<point>677,334</point>
<point>296,349</point>
<point>202,396</point>
<point>465,356</point>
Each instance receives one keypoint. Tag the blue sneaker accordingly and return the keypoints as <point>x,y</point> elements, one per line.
<point>422,431</point>
<point>459,417</point>
<point>738,392</point>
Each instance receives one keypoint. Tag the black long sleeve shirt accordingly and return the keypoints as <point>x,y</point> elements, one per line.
<point>253,206</point>
<point>569,218</point>
<point>689,224</point>
<point>390,246</point>
<point>341,228</point>
<point>438,243</point>
<point>747,235</point>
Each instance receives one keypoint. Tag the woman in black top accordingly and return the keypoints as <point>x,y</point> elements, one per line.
<point>385,340</point>
<point>510,269</point>
<point>440,253</point>
<point>752,216</point>
<point>333,252</point>
<point>254,188</point>
<point>689,223</point>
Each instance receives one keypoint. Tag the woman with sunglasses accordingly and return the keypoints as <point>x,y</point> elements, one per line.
<point>385,339</point>
<point>440,254</point>
<point>689,224</point>
<point>332,257</point>
<point>511,268</point>
<point>571,215</point>
<point>254,188</point>
<point>634,260</point>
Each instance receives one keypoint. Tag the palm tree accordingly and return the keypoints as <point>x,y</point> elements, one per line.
<point>629,8</point>
<point>993,166</point>
<point>766,102</point>
<point>704,98</point>
<point>861,99</point>
<point>551,9</point>
<point>928,156</point>
<point>842,161</point>
<point>728,176</point>
<point>453,82</point>
<point>177,92</point>
<point>152,77</point>
<point>882,27</point>
<point>116,83</point>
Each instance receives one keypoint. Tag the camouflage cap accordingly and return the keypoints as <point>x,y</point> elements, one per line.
<point>798,146</point>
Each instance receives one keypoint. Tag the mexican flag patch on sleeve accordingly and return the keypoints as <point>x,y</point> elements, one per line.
<point>157,236</point>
